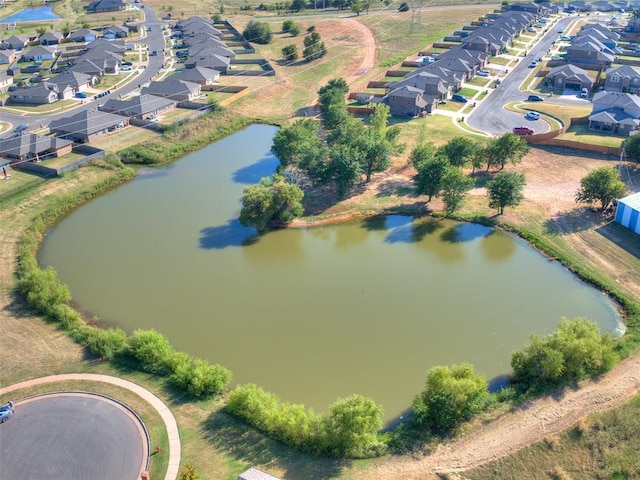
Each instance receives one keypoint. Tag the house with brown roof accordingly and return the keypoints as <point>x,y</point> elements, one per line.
<point>87,125</point>
<point>30,146</point>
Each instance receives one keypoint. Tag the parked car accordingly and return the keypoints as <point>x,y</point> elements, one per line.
<point>584,93</point>
<point>534,98</point>
<point>127,63</point>
<point>154,53</point>
<point>81,95</point>
<point>532,116</point>
<point>457,97</point>
<point>560,31</point>
<point>6,412</point>
<point>533,64</point>
<point>21,127</point>
<point>523,130</point>
<point>126,68</point>
<point>531,29</point>
<point>556,57</point>
<point>564,38</point>
<point>484,73</point>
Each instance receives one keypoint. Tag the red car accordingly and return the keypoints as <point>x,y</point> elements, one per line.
<point>523,131</point>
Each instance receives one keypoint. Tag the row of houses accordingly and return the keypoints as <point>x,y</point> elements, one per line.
<point>421,90</point>
<point>595,44</point>
<point>202,45</point>
<point>81,35</point>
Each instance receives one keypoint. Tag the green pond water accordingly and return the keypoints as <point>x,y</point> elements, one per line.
<point>311,314</point>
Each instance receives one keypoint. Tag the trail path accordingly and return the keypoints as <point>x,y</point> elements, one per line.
<point>369,42</point>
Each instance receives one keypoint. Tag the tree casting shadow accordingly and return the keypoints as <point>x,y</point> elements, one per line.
<point>232,234</point>
<point>246,445</point>
<point>577,220</point>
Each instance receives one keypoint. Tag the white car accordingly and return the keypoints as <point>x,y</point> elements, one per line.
<point>532,116</point>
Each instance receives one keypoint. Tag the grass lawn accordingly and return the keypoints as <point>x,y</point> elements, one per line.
<point>18,181</point>
<point>480,82</point>
<point>111,79</point>
<point>500,60</point>
<point>564,112</point>
<point>169,118</point>
<point>582,134</point>
<point>58,106</point>
<point>124,138</point>
<point>468,92</point>
<point>62,161</point>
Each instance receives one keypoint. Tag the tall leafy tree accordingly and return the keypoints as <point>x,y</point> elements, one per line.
<point>292,143</point>
<point>344,167</point>
<point>430,168</point>
<point>314,47</point>
<point>290,52</point>
<point>271,203</point>
<point>505,190</point>
<point>353,424</point>
<point>451,396</point>
<point>455,185</point>
<point>459,150</point>
<point>603,184</point>
<point>331,98</point>
<point>258,32</point>
<point>504,149</point>
<point>381,142</point>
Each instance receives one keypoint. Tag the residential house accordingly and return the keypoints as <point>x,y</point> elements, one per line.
<point>591,52</point>
<point>450,78</point>
<point>255,474</point>
<point>6,81</point>
<point>175,89</point>
<point>203,38</point>
<point>473,57</point>
<point>192,25</point>
<point>208,50</point>
<point>409,101</point>
<point>102,44</point>
<point>50,38</point>
<point>30,146</point>
<point>213,62</point>
<point>140,107</point>
<point>603,6</point>
<point>7,57</point>
<point>464,68</point>
<point>615,112</point>
<point>15,42</point>
<point>531,7</point>
<point>201,75</point>
<point>606,36</point>
<point>102,6</point>
<point>83,35</point>
<point>40,53</point>
<point>581,6</point>
<point>485,41</point>
<point>568,76</point>
<point>90,67</point>
<point>87,125</point>
<point>428,82</point>
<point>78,81</point>
<point>115,31</point>
<point>622,79</point>
<point>40,94</point>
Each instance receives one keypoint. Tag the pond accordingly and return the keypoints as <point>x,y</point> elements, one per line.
<point>36,14</point>
<point>311,314</point>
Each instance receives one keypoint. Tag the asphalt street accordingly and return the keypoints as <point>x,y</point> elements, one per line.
<point>490,115</point>
<point>72,437</point>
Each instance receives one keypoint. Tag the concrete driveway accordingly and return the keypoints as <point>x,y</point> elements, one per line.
<point>72,436</point>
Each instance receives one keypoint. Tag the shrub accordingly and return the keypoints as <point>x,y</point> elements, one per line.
<point>352,426</point>
<point>287,25</point>
<point>106,343</point>
<point>152,350</point>
<point>290,52</point>
<point>43,290</point>
<point>404,7</point>
<point>199,378</point>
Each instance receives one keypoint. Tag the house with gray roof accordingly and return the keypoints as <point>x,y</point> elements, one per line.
<point>90,67</point>
<point>200,50</point>
<point>40,53</point>
<point>473,57</point>
<point>140,107</point>
<point>624,79</point>
<point>568,76</point>
<point>87,125</point>
<point>7,57</point>
<point>15,42</point>
<point>30,146</point>
<point>6,81</point>
<point>102,6</point>
<point>78,81</point>
<point>591,52</point>
<point>408,101</point>
<point>115,31</point>
<point>175,89</point>
<point>213,62</point>
<point>50,38</point>
<point>201,75</point>
<point>255,474</point>
<point>530,7</point>
<point>83,35</point>
<point>615,112</point>
<point>428,82</point>
<point>40,94</point>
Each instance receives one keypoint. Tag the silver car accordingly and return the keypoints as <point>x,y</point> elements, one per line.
<point>6,412</point>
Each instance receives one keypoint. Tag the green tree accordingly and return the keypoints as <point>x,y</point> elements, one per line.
<point>298,5</point>
<point>344,167</point>
<point>404,7</point>
<point>459,150</point>
<point>271,203</point>
<point>379,142</point>
<point>430,168</point>
<point>331,98</point>
<point>295,30</point>
<point>357,7</point>
<point>152,350</point>
<point>290,52</point>
<point>506,148</point>
<point>602,184</point>
<point>41,31</point>
<point>451,395</point>
<point>199,378</point>
<point>293,142</point>
<point>43,290</point>
<point>313,47</point>
<point>455,185</point>
<point>287,25</point>
<point>575,350</point>
<point>258,32</point>
<point>631,147</point>
<point>505,190</point>
<point>352,425</point>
